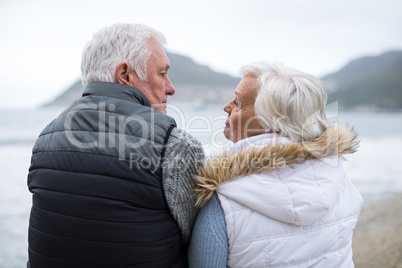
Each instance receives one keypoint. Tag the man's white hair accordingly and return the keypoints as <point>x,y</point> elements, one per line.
<point>114,44</point>
<point>289,101</point>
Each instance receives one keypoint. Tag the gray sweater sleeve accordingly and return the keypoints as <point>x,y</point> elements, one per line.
<point>183,156</point>
<point>209,243</point>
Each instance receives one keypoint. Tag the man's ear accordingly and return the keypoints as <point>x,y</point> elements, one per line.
<point>124,74</point>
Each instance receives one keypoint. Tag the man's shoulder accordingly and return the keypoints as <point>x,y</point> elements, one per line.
<point>182,145</point>
<point>179,136</point>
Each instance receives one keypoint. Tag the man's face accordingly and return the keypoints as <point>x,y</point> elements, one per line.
<point>158,86</point>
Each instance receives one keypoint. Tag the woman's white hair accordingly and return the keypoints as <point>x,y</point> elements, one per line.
<point>289,101</point>
<point>114,44</point>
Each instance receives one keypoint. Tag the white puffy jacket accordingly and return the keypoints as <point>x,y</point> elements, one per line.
<point>299,210</point>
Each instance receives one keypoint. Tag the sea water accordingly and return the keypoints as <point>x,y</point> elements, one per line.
<point>376,169</point>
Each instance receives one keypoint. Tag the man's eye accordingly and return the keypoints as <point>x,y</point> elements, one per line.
<point>236,103</point>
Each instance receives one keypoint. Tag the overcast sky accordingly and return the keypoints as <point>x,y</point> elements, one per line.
<point>41,41</point>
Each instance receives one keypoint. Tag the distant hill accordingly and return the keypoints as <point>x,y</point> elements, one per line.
<point>368,82</point>
<point>192,81</point>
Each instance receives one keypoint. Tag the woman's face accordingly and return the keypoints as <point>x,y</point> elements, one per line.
<point>242,122</point>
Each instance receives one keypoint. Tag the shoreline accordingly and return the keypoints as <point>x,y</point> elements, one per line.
<point>377,239</point>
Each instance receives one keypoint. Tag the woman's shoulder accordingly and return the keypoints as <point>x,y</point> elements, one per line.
<point>209,243</point>
<point>212,213</point>
<point>211,221</point>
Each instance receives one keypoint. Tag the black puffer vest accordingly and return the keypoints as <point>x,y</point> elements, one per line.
<point>96,180</point>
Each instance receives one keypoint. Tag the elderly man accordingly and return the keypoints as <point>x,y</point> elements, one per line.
<point>112,176</point>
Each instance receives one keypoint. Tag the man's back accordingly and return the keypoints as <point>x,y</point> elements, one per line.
<point>96,179</point>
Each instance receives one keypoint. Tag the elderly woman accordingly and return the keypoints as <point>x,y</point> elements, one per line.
<point>280,197</point>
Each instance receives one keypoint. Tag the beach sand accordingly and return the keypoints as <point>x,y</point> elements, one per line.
<point>377,240</point>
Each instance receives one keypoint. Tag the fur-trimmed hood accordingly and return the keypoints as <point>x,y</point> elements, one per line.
<point>276,155</point>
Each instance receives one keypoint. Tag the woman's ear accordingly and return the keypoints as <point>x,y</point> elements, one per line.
<point>124,74</point>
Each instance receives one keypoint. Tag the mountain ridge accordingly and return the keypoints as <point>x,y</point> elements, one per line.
<point>373,82</point>
<point>369,82</point>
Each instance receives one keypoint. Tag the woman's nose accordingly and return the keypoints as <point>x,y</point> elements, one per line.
<point>226,108</point>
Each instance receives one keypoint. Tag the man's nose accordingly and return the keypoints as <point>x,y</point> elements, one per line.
<point>170,90</point>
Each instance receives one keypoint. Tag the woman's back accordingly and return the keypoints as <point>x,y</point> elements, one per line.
<point>301,215</point>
